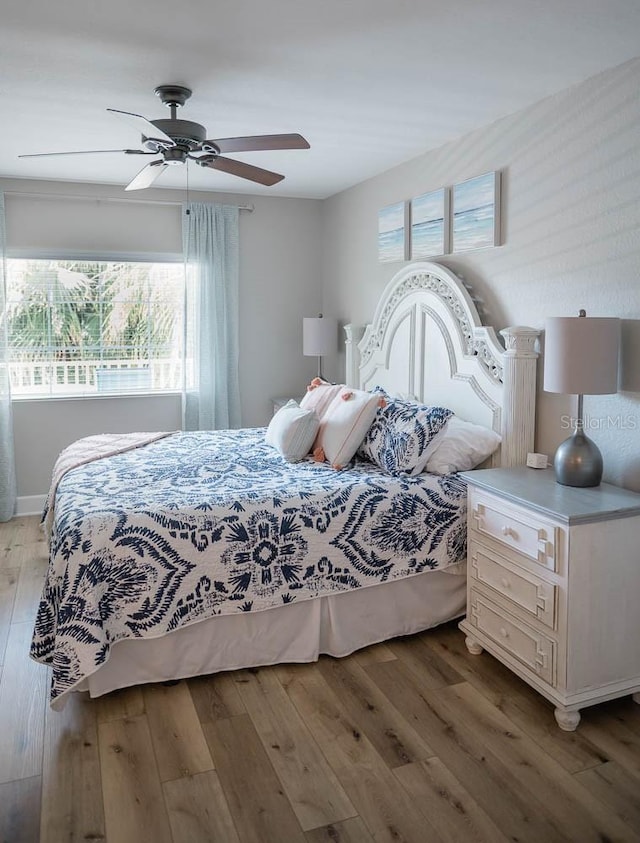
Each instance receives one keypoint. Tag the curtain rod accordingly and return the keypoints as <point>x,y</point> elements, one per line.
<point>125,199</point>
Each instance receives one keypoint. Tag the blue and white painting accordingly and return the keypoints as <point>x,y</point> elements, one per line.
<point>428,225</point>
<point>391,231</point>
<point>475,213</point>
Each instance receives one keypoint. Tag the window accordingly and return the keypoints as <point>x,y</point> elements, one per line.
<point>81,327</point>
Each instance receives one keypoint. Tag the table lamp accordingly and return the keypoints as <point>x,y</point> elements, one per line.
<point>580,358</point>
<point>319,337</point>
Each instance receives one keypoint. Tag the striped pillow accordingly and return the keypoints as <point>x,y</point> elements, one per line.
<point>292,431</point>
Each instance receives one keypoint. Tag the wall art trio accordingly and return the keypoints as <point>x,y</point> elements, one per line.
<point>451,219</point>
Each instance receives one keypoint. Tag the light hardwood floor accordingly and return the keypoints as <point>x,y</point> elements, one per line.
<point>413,740</point>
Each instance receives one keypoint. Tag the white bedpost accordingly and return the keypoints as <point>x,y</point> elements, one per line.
<point>519,381</point>
<point>354,334</point>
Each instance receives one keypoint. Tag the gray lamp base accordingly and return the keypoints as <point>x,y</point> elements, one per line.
<point>578,461</point>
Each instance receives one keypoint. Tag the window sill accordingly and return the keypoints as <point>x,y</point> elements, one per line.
<point>165,393</point>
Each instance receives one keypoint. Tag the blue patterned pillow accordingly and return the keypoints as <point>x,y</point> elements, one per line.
<point>398,440</point>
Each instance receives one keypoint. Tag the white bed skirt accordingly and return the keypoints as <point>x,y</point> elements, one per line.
<point>300,632</point>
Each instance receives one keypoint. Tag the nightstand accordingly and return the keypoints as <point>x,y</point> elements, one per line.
<point>554,585</point>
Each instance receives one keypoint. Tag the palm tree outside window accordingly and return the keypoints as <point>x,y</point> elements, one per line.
<point>83,327</point>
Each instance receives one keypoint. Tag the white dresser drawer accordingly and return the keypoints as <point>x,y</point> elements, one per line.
<point>515,529</point>
<point>527,591</point>
<point>532,648</point>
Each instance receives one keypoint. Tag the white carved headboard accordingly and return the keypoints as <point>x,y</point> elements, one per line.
<point>426,339</point>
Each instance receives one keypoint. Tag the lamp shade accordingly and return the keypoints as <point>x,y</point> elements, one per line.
<point>581,355</point>
<point>319,336</point>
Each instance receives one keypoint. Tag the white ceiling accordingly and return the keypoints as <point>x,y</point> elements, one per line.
<point>369,83</point>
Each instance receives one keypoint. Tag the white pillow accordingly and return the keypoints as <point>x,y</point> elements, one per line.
<point>344,425</point>
<point>319,396</point>
<point>292,431</point>
<point>461,447</point>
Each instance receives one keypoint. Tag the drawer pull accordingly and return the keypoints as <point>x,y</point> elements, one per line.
<point>504,632</point>
<point>505,583</point>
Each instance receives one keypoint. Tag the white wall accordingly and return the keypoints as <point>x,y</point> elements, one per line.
<point>571,235</point>
<point>280,282</point>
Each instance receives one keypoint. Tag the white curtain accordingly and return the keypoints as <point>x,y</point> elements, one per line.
<point>7,462</point>
<point>211,394</point>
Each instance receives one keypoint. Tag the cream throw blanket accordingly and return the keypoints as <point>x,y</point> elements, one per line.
<point>86,450</point>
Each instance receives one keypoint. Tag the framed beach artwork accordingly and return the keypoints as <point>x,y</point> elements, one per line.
<point>429,224</point>
<point>392,226</point>
<point>476,213</point>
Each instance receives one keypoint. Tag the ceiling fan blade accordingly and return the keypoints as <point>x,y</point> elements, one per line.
<point>144,126</point>
<point>88,152</point>
<point>147,175</point>
<point>255,143</point>
<point>245,171</point>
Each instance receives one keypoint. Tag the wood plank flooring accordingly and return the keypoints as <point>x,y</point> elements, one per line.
<point>412,740</point>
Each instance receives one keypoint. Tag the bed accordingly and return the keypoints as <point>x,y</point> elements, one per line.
<point>202,552</point>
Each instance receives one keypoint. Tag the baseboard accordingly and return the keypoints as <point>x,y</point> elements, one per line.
<point>30,504</point>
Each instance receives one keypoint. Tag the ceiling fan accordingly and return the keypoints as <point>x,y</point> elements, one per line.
<point>178,141</point>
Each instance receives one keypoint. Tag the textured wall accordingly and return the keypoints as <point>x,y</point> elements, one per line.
<point>571,237</point>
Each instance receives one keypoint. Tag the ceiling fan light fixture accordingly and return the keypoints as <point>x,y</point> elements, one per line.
<point>174,155</point>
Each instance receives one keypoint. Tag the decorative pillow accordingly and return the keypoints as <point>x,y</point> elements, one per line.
<point>319,396</point>
<point>344,425</point>
<point>292,431</point>
<point>402,435</point>
<point>463,447</point>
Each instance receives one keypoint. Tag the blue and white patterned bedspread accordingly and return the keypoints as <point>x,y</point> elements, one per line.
<point>207,523</point>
